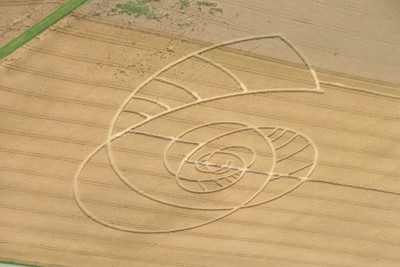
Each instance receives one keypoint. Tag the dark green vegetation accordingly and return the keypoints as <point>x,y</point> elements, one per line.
<point>184,3</point>
<point>207,3</point>
<point>212,5</point>
<point>40,26</point>
<point>144,8</point>
<point>141,8</point>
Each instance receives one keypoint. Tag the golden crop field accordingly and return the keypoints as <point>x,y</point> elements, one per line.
<point>214,133</point>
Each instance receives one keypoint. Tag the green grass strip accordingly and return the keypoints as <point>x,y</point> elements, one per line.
<point>17,264</point>
<point>40,26</point>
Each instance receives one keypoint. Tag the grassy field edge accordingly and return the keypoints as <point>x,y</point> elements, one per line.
<point>17,264</point>
<point>40,26</point>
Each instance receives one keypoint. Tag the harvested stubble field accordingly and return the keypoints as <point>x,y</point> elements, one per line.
<point>337,146</point>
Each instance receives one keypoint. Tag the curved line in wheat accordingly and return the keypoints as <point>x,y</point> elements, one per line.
<point>112,137</point>
<point>167,167</point>
<point>302,179</point>
<point>180,86</point>
<point>222,68</point>
<point>301,56</point>
<point>222,169</point>
<point>161,105</point>
<point>211,140</point>
<point>226,168</point>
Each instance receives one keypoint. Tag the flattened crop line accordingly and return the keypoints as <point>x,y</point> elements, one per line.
<point>40,26</point>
